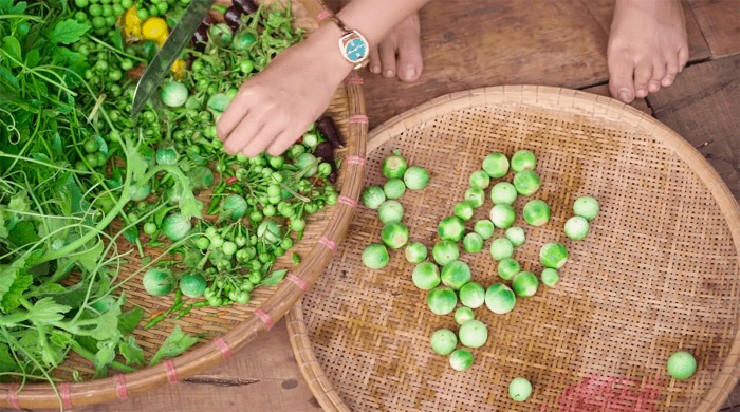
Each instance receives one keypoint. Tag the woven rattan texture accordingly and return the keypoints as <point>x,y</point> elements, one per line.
<point>658,273</point>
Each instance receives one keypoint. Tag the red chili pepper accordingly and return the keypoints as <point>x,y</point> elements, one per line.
<point>231,180</point>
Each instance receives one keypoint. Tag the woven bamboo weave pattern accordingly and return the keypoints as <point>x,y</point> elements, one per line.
<point>658,273</point>
<point>226,329</point>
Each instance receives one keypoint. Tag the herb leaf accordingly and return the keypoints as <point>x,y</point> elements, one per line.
<point>131,351</point>
<point>12,298</point>
<point>68,31</point>
<point>274,278</point>
<point>46,310</point>
<point>175,344</point>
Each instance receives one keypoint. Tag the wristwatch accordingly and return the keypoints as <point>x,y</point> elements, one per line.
<point>352,45</point>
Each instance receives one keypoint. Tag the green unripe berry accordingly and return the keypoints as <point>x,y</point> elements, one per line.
<point>515,234</point>
<point>523,160</point>
<point>425,275</point>
<point>536,213</point>
<point>394,189</point>
<point>527,182</point>
<point>520,389</point>
<point>586,207</point>
<point>525,284</point>
<point>501,249</point>
<point>443,342</point>
<point>484,228</point>
<point>508,268</point>
<point>472,295</point>
<point>415,252</point>
<point>549,276</point>
<point>681,365</point>
<point>503,193</point>
<point>464,314</point>
<point>416,178</point>
<point>576,228</point>
<point>473,242</point>
<point>496,164</point>
<point>461,360</point>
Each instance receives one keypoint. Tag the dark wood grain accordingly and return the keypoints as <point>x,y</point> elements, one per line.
<point>703,105</point>
<point>262,377</point>
<point>719,21</point>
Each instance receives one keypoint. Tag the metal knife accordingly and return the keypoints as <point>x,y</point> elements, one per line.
<point>171,49</point>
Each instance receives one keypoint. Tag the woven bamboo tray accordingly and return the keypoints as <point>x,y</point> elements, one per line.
<point>658,273</point>
<point>229,328</point>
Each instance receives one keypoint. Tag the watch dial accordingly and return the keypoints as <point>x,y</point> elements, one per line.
<point>356,49</point>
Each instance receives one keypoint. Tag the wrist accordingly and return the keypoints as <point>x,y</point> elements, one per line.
<point>324,42</point>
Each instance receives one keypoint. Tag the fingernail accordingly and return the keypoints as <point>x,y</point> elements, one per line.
<point>375,69</point>
<point>389,73</point>
<point>624,94</point>
<point>641,93</point>
<point>667,82</point>
<point>410,73</point>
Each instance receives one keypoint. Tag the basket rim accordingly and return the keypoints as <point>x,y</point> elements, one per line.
<point>571,101</point>
<point>172,370</point>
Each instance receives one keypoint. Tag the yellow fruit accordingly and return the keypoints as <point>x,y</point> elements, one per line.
<point>155,28</point>
<point>132,23</point>
<point>178,68</point>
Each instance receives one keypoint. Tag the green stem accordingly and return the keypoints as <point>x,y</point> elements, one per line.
<point>120,366</point>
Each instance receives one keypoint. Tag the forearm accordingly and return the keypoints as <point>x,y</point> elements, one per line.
<point>375,18</point>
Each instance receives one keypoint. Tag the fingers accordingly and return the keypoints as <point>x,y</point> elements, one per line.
<point>263,139</point>
<point>621,69</point>
<point>243,134</point>
<point>282,143</point>
<point>235,112</point>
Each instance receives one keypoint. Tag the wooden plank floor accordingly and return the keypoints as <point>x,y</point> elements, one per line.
<point>475,43</point>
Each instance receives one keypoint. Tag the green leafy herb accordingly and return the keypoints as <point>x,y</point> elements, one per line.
<point>274,278</point>
<point>175,344</point>
<point>68,31</point>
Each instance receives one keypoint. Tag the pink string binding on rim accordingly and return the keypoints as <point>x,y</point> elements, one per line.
<point>358,119</point>
<point>265,318</point>
<point>355,78</point>
<point>223,347</point>
<point>330,244</point>
<point>121,388</point>
<point>13,396</point>
<point>356,160</point>
<point>346,200</point>
<point>172,375</point>
<point>65,392</point>
<point>298,282</point>
<point>323,15</point>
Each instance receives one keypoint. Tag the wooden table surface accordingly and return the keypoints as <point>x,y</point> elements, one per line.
<point>477,43</point>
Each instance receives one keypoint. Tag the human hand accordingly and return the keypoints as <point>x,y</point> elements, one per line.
<point>277,106</point>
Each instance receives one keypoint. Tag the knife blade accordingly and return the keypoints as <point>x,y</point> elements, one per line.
<point>171,49</point>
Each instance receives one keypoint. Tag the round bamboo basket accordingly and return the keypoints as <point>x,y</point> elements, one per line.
<point>226,329</point>
<point>658,273</point>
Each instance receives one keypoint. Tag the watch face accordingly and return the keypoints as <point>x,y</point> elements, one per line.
<point>356,49</point>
